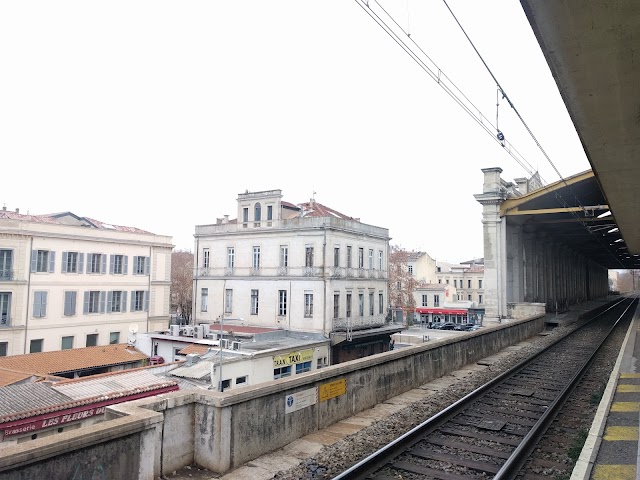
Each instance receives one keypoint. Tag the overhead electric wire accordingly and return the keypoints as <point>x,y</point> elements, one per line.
<point>439,77</point>
<point>506,97</point>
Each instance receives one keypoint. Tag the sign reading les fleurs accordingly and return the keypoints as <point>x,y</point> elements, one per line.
<point>53,421</point>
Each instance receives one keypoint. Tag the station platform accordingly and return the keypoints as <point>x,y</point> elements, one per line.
<point>611,450</point>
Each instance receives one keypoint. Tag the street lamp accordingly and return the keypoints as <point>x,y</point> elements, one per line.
<point>221,319</point>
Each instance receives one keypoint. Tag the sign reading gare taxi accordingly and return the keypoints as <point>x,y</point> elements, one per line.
<point>292,358</point>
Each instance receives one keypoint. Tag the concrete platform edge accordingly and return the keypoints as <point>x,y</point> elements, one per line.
<point>585,463</point>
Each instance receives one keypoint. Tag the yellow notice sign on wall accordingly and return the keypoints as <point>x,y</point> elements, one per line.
<point>292,358</point>
<point>332,389</point>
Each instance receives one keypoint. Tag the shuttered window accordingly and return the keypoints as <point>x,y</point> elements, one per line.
<point>39,304</point>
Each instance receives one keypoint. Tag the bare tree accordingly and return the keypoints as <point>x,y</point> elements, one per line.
<point>402,284</point>
<point>182,282</point>
<point>628,280</point>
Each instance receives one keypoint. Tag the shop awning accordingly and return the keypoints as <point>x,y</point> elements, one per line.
<point>441,311</point>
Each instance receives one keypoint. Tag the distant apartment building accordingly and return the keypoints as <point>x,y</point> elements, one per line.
<point>422,267</point>
<point>68,281</point>
<point>303,267</point>
<point>466,277</point>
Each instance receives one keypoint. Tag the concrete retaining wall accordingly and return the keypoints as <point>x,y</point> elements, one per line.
<point>221,431</point>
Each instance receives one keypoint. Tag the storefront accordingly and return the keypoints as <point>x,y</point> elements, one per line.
<point>442,315</point>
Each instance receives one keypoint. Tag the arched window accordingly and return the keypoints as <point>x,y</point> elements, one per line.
<point>257,212</point>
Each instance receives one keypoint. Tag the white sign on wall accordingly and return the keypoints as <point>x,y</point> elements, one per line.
<point>299,400</point>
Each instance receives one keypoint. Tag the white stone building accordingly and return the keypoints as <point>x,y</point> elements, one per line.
<point>68,281</point>
<point>302,267</point>
<point>466,277</point>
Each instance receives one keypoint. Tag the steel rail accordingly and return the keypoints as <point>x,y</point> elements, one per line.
<point>381,457</point>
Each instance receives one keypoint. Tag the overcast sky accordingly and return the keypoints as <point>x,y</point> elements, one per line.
<point>157,114</point>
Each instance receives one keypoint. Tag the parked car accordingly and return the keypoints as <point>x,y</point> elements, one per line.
<point>447,326</point>
<point>475,327</point>
<point>463,327</point>
<point>435,325</point>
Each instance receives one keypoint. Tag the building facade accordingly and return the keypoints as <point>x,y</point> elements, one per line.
<point>302,267</point>
<point>69,281</point>
<point>467,278</point>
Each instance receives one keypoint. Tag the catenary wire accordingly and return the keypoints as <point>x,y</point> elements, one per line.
<point>506,97</point>
<point>480,118</point>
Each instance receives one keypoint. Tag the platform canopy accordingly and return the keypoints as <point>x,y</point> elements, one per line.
<point>592,51</point>
<point>573,212</point>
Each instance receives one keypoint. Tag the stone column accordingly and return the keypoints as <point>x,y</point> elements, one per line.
<point>494,236</point>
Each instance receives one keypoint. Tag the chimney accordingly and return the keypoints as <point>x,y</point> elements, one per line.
<point>4,208</point>
<point>17,210</point>
<point>226,219</point>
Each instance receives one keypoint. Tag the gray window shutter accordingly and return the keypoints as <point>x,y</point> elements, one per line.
<point>112,260</point>
<point>52,261</point>
<point>65,257</point>
<point>43,299</point>
<point>34,260</point>
<point>147,265</point>
<point>85,310</point>
<point>104,263</point>
<point>125,264</point>
<point>80,262</point>
<point>134,266</point>
<point>36,304</point>
<point>102,301</point>
<point>74,296</point>
<point>67,303</point>
<point>123,301</point>
<point>109,301</point>
<point>146,301</point>
<point>133,299</point>
<point>89,262</point>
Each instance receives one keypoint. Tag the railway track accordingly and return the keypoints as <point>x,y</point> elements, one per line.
<point>491,432</point>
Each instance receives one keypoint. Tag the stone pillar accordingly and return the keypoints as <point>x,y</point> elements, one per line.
<point>494,236</point>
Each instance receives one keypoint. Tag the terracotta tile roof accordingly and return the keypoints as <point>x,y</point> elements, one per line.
<point>8,376</point>
<point>120,228</point>
<point>74,359</point>
<point>315,209</point>
<point>194,348</point>
<point>54,219</point>
<point>27,218</point>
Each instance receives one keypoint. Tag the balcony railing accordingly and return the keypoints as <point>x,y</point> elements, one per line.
<point>202,272</point>
<point>358,323</point>
<point>275,271</point>
<point>5,320</point>
<point>6,275</point>
<point>310,271</point>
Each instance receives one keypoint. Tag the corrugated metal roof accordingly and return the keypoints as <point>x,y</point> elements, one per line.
<point>29,396</point>
<point>108,385</point>
<point>199,371</point>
